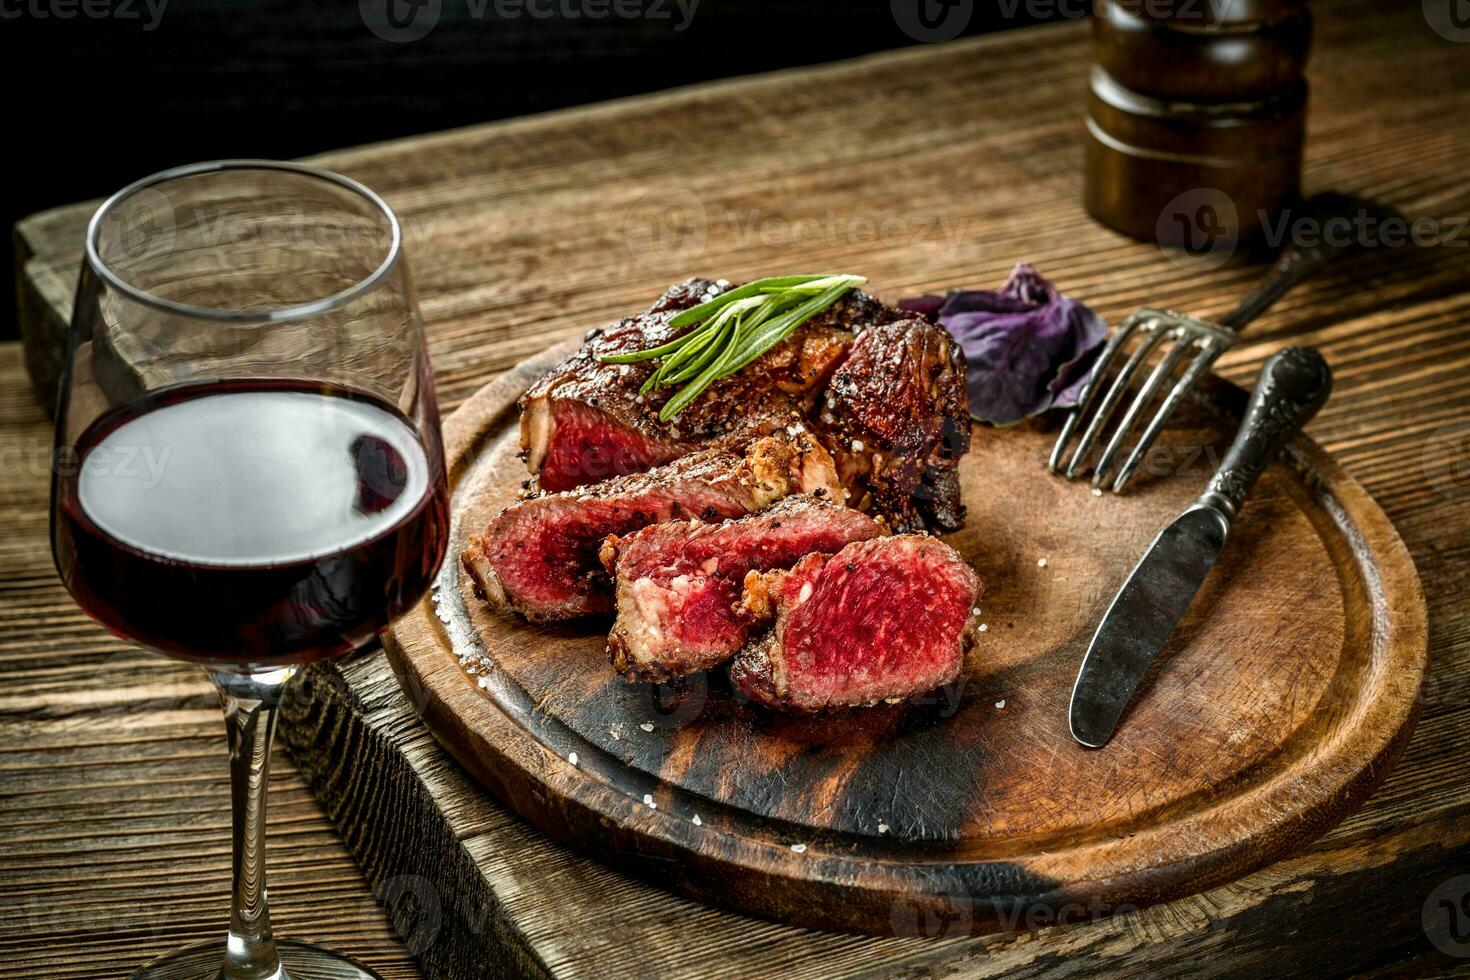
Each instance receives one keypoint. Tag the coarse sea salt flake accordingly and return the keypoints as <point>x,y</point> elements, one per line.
<point>798,848</point>
<point>1001,703</point>
<point>647,726</point>
<point>1041,563</point>
<point>572,758</point>
<point>882,827</point>
<point>648,801</point>
<point>698,822</point>
<point>985,627</point>
<point>1096,492</point>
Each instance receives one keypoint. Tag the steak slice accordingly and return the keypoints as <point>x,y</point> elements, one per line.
<point>585,421</point>
<point>539,557</point>
<point>677,584</point>
<point>880,619</point>
<point>896,418</point>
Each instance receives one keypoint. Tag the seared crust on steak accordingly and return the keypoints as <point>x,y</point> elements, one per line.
<point>881,619</point>
<point>677,584</point>
<point>539,557</point>
<point>586,421</point>
<point>896,417</point>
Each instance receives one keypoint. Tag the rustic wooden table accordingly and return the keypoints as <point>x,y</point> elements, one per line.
<point>925,168</point>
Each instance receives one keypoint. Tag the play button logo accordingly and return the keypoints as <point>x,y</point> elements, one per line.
<point>931,21</point>
<point>400,21</point>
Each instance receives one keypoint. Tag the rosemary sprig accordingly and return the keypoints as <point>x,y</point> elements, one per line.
<point>732,330</point>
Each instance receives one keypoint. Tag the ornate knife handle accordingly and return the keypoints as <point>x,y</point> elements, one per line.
<point>1293,385</point>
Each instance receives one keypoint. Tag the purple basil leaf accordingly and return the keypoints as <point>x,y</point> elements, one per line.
<point>1028,347</point>
<point>1012,358</point>
<point>925,306</point>
<point>1067,386</point>
<point>1026,289</point>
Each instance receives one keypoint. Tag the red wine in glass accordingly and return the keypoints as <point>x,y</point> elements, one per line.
<point>249,470</point>
<point>263,522</point>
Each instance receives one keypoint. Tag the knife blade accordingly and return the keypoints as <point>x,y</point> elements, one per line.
<point>1293,385</point>
<point>1141,618</point>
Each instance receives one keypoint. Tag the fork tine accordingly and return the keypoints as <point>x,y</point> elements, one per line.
<point>1197,368</point>
<point>1111,399</point>
<point>1156,379</point>
<point>1091,388</point>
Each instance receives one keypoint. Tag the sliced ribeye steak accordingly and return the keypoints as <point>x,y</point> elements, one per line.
<point>880,619</point>
<point>586,421</point>
<point>539,557</point>
<point>896,418</point>
<point>677,584</point>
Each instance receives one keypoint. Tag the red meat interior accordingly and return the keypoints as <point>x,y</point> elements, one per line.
<point>703,618</point>
<point>890,615</point>
<point>588,445</point>
<point>550,550</point>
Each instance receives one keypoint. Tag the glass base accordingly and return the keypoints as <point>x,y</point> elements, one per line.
<point>301,961</point>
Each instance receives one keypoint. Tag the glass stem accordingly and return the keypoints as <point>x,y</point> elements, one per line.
<point>250,701</point>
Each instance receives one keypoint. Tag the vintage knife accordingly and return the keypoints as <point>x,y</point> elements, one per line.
<point>1293,385</point>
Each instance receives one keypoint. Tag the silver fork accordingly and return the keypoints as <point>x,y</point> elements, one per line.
<point>1186,334</point>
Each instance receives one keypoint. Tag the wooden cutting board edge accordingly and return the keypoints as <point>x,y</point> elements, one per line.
<point>856,893</point>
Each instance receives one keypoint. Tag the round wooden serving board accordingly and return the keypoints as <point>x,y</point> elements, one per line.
<point>1279,704</point>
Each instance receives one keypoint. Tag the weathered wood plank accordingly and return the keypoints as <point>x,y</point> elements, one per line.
<point>520,237</point>
<point>1353,899</point>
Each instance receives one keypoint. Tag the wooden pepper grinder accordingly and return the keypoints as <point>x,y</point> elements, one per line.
<point>1195,118</point>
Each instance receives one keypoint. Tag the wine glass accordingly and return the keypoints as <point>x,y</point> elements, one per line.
<point>249,472</point>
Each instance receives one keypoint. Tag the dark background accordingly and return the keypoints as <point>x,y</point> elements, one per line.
<point>100,98</point>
